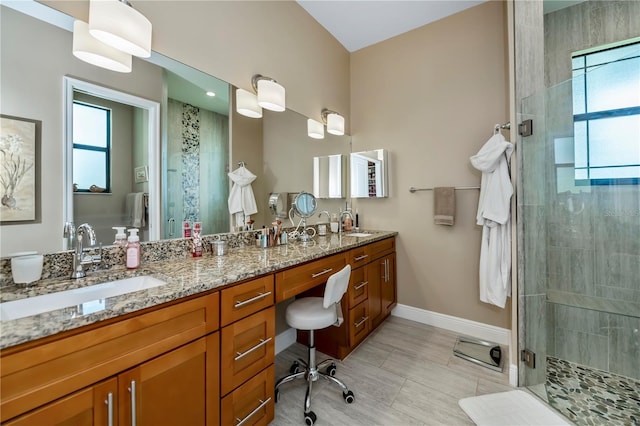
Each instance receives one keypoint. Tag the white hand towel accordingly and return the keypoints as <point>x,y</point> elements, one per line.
<point>135,209</point>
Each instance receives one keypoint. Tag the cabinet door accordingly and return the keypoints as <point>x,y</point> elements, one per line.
<point>358,287</point>
<point>177,388</point>
<point>95,405</point>
<point>358,323</point>
<point>388,290</point>
<point>375,276</point>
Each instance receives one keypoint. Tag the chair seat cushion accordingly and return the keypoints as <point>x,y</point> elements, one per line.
<point>308,314</point>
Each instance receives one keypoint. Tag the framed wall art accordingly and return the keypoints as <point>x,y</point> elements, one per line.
<point>19,170</point>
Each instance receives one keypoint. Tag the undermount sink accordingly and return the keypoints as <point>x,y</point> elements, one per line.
<point>78,296</point>
<point>358,234</point>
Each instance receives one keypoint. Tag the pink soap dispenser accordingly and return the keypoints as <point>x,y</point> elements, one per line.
<point>133,249</point>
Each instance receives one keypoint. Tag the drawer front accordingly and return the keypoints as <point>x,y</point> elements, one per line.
<point>359,256</point>
<point>37,375</point>
<point>242,300</point>
<point>358,287</point>
<point>380,248</point>
<point>302,278</point>
<point>252,403</point>
<point>358,323</point>
<point>247,347</point>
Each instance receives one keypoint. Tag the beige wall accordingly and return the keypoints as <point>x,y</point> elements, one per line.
<point>431,97</point>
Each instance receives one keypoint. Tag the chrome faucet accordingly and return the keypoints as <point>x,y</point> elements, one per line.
<point>327,213</point>
<point>342,213</point>
<point>79,259</point>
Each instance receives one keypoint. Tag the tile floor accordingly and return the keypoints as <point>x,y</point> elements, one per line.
<point>405,373</point>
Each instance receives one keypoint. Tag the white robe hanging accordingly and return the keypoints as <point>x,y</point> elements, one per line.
<point>242,202</point>
<point>494,215</point>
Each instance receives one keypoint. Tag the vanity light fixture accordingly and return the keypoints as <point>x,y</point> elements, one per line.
<point>117,24</point>
<point>247,104</point>
<point>315,129</point>
<point>334,122</point>
<point>93,51</point>
<point>271,95</point>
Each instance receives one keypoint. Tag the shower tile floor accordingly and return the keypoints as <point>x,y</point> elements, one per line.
<point>592,397</point>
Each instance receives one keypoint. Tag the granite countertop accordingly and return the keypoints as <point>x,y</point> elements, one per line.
<point>184,277</point>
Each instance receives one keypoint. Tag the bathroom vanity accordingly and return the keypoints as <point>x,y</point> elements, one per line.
<point>197,350</point>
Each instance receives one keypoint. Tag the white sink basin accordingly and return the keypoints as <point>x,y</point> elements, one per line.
<point>78,296</point>
<point>358,234</point>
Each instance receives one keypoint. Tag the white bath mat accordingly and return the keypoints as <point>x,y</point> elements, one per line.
<point>509,408</point>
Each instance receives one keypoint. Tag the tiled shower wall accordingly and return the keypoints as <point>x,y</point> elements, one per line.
<point>593,235</point>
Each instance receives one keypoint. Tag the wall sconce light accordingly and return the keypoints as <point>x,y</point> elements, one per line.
<point>334,122</point>
<point>315,129</point>
<point>247,104</point>
<point>271,95</point>
<point>117,24</point>
<point>93,51</point>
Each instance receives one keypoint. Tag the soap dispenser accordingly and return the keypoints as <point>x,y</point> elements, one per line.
<point>121,236</point>
<point>133,249</point>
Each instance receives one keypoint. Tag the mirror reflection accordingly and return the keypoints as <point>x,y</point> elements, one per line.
<point>369,174</point>
<point>329,176</point>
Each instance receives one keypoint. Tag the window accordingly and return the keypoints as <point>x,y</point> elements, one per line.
<point>91,147</point>
<point>606,116</point>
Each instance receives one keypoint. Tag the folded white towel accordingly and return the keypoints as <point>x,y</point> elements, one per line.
<point>135,209</point>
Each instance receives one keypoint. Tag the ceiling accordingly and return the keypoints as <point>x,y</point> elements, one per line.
<point>360,23</point>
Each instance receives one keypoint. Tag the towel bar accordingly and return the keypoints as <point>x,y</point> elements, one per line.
<point>457,188</point>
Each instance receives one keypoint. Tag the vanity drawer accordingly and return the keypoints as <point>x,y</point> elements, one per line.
<point>247,346</point>
<point>380,248</point>
<point>358,323</point>
<point>252,402</point>
<point>358,287</point>
<point>302,278</point>
<point>243,300</point>
<point>359,256</point>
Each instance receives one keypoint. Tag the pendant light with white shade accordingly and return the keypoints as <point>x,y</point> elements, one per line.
<point>94,52</point>
<point>268,95</point>
<point>119,25</point>
<point>247,104</point>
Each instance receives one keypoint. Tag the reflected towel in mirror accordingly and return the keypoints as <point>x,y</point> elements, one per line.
<point>134,209</point>
<point>242,202</point>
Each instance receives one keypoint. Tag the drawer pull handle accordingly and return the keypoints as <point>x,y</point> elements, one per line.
<point>358,258</point>
<point>253,299</point>
<point>258,408</point>
<point>362,321</point>
<point>362,284</point>
<point>247,352</point>
<point>109,402</point>
<point>321,273</point>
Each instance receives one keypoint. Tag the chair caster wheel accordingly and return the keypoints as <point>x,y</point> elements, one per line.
<point>295,368</point>
<point>310,418</point>
<point>331,370</point>
<point>349,397</point>
<point>276,396</point>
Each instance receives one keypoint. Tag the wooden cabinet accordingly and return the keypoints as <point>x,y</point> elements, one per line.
<point>180,387</point>
<point>95,405</point>
<point>369,300</point>
<point>382,288</point>
<point>247,352</point>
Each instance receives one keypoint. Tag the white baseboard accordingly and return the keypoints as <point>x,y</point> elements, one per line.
<point>285,339</point>
<point>475,329</point>
<point>513,375</point>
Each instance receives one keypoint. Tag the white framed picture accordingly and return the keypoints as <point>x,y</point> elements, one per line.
<point>141,174</point>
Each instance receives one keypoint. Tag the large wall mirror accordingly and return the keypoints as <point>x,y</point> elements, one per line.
<point>185,180</point>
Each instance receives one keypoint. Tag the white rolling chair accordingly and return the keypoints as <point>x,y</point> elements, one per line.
<point>315,313</point>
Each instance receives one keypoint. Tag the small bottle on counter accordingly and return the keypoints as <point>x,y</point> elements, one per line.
<point>335,225</point>
<point>133,249</point>
<point>121,236</point>
<point>197,240</point>
<point>357,224</point>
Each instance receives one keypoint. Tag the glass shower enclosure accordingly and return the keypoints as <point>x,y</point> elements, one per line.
<point>579,234</point>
